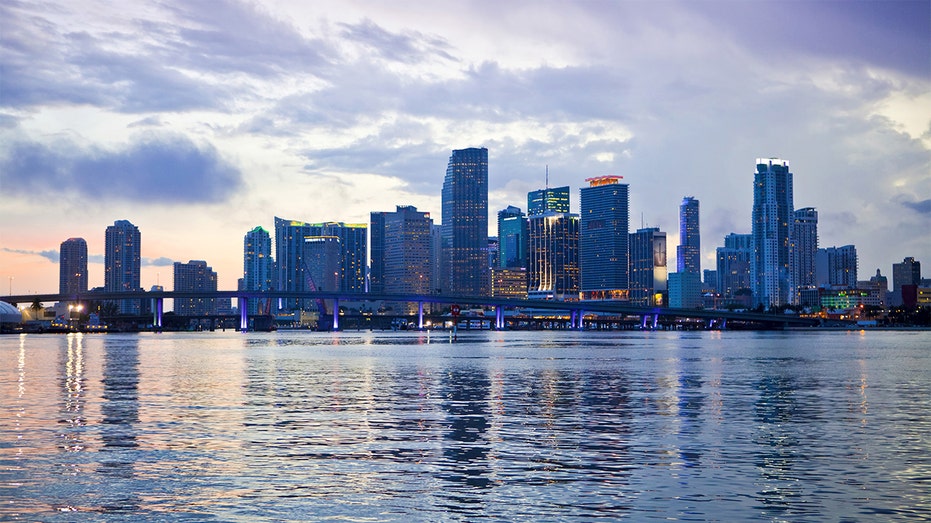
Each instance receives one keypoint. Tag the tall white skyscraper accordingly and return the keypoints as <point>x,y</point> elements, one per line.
<point>770,271</point>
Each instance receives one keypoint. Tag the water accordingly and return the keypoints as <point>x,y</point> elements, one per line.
<point>512,426</point>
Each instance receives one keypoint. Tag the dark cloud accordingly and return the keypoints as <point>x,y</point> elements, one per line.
<point>152,168</point>
<point>51,255</point>
<point>921,207</point>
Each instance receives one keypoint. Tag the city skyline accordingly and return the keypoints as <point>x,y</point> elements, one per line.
<point>276,112</point>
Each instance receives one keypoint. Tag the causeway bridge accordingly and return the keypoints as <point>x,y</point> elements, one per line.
<point>576,310</point>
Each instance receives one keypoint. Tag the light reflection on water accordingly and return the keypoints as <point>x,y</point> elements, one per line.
<point>506,426</point>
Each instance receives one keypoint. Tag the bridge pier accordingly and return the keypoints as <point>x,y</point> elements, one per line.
<point>336,314</point>
<point>499,318</point>
<point>419,315</point>
<point>243,303</point>
<point>581,320</point>
<point>157,313</point>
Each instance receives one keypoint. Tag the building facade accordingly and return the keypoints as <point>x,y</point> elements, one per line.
<point>733,262</point>
<point>604,237</point>
<point>72,266</point>
<point>408,260</point>
<point>258,272</point>
<point>688,253</point>
<point>550,199</point>
<point>804,253</point>
<point>195,276</point>
<point>772,232</point>
<point>512,238</point>
<point>648,270</point>
<point>836,267</point>
<point>465,223</point>
<point>553,257</point>
<point>123,263</point>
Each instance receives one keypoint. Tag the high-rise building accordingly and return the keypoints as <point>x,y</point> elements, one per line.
<point>553,199</point>
<point>376,283</point>
<point>553,257</point>
<point>685,290</point>
<point>465,223</point>
<point>258,265</point>
<point>123,262</point>
<point>408,261</point>
<point>733,270</point>
<point>353,241</point>
<point>906,273</point>
<point>322,262</point>
<point>804,251</point>
<point>772,230</point>
<point>72,266</point>
<point>195,276</point>
<point>604,238</point>
<point>836,267</point>
<point>648,270</point>
<point>688,253</point>
<point>512,238</point>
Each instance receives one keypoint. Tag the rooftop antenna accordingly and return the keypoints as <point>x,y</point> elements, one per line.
<point>641,221</point>
<point>547,180</point>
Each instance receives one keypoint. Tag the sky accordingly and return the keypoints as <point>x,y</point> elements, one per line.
<point>200,120</point>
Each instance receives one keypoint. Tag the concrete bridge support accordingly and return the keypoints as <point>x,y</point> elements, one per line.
<point>336,314</point>
<point>419,315</point>
<point>499,318</point>
<point>243,304</point>
<point>157,311</point>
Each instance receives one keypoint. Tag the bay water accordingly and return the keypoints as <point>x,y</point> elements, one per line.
<point>492,426</point>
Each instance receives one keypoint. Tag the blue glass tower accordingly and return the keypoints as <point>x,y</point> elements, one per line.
<point>465,223</point>
<point>604,239</point>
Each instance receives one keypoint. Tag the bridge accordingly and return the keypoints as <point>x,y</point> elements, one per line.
<point>575,309</point>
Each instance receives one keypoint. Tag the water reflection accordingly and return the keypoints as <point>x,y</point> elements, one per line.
<point>73,394</point>
<point>465,393</point>
<point>120,410</point>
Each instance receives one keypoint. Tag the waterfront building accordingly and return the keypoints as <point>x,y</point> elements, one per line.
<point>258,265</point>
<point>493,253</point>
<point>648,270</point>
<point>509,282</point>
<point>836,267</point>
<point>685,290</point>
<point>906,274</point>
<point>402,252</point>
<point>881,284</point>
<point>553,256</point>
<point>772,230</point>
<point>72,266</point>
<point>465,223</point>
<point>376,283</point>
<point>549,199</point>
<point>709,281</point>
<point>688,253</point>
<point>323,262</point>
<point>512,238</point>
<point>733,265</point>
<point>804,253</point>
<point>353,242</point>
<point>604,238</point>
<point>195,276</point>
<point>122,263</point>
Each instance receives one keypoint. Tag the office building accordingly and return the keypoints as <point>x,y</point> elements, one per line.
<point>258,267</point>
<point>688,253</point>
<point>773,213</point>
<point>604,238</point>
<point>908,275</point>
<point>376,279</point>
<point>804,252</point>
<point>836,267</point>
<point>323,262</point>
<point>72,266</point>
<point>509,282</point>
<point>549,199</point>
<point>685,290</point>
<point>553,257</point>
<point>195,276</point>
<point>122,263</point>
<point>648,270</point>
<point>512,238</point>
<point>733,265</point>
<point>465,223</point>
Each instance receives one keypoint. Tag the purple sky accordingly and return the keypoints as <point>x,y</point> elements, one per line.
<point>198,121</point>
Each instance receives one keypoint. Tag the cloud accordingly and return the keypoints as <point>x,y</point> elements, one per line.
<point>921,207</point>
<point>157,262</point>
<point>152,168</point>
<point>51,255</point>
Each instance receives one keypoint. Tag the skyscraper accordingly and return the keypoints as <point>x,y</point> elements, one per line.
<point>122,263</point>
<point>376,283</point>
<point>604,237</point>
<point>555,199</point>
<point>465,223</point>
<point>322,262</point>
<point>804,251</point>
<point>195,276</point>
<point>512,238</point>
<point>733,267</point>
<point>906,273</point>
<point>553,256</point>
<point>836,267</point>
<point>772,230</point>
<point>648,270</point>
<point>688,253</point>
<point>72,266</point>
<point>258,265</point>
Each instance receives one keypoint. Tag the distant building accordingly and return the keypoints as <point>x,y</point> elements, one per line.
<point>688,253</point>
<point>465,223</point>
<point>258,265</point>
<point>904,274</point>
<point>195,276</point>
<point>122,263</point>
<point>773,210</point>
<point>72,266</point>
<point>509,283</point>
<point>604,239</point>
<point>733,261</point>
<point>403,252</point>
<point>553,250</point>
<point>512,238</point>
<point>493,254</point>
<point>648,270</point>
<point>804,252</point>
<point>836,267</point>
<point>709,281</point>
<point>323,262</point>
<point>549,199</point>
<point>685,290</point>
